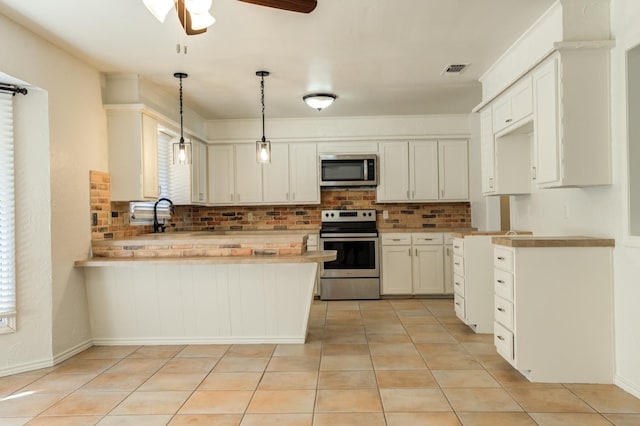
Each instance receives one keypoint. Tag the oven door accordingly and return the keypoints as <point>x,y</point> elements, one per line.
<point>357,257</point>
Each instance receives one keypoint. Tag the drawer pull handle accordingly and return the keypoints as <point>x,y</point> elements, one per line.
<point>501,309</point>
<point>457,304</point>
<point>458,284</point>
<point>508,120</point>
<point>396,239</point>
<point>500,337</point>
<point>456,263</point>
<point>500,258</point>
<point>456,246</point>
<point>500,281</point>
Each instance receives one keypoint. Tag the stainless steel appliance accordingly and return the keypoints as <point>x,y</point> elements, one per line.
<point>355,274</point>
<point>349,170</point>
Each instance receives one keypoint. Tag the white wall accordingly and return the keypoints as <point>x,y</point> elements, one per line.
<point>66,139</point>
<point>596,211</point>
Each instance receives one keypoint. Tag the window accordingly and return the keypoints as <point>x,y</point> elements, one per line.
<point>7,218</point>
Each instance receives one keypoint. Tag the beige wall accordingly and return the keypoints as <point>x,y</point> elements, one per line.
<point>65,140</point>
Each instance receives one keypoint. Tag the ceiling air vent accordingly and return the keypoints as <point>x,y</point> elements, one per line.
<point>454,69</point>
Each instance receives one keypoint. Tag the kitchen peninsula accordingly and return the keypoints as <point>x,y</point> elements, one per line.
<point>202,287</point>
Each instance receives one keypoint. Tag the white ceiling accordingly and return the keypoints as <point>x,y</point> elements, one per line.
<point>381,57</point>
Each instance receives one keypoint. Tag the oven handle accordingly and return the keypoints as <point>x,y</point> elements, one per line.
<point>349,236</point>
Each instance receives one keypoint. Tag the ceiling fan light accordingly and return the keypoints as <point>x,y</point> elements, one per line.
<point>197,6</point>
<point>159,8</point>
<point>201,20</point>
<point>319,101</point>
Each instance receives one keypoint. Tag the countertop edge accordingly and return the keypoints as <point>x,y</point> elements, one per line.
<point>509,241</point>
<point>309,257</point>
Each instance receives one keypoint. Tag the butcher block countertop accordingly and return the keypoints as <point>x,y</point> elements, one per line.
<point>553,241</point>
<point>415,230</point>
<point>463,234</point>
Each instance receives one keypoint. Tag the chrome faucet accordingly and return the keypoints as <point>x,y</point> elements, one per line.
<point>157,227</point>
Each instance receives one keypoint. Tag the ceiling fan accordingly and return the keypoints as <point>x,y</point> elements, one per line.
<point>195,17</point>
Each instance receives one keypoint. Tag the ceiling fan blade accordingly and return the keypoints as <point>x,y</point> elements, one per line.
<point>302,6</point>
<point>185,19</point>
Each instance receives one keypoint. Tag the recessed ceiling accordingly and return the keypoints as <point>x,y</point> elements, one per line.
<point>381,57</point>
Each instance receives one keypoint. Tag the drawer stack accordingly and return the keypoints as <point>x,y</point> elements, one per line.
<point>458,278</point>
<point>503,327</point>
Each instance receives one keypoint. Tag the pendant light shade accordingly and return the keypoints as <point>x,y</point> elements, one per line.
<point>319,101</point>
<point>181,149</point>
<point>263,146</point>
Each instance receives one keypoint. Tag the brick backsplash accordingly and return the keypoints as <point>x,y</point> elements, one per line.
<point>111,215</point>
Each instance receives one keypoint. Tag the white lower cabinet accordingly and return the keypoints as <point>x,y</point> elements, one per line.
<point>553,312</point>
<point>413,263</point>
<point>473,281</point>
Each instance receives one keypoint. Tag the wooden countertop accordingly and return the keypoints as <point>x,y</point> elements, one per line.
<point>308,257</point>
<point>463,234</point>
<point>552,241</point>
<point>220,237</point>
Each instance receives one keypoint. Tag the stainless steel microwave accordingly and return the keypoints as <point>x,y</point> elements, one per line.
<point>349,170</point>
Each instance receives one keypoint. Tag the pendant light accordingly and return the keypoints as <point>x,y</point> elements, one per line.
<point>263,146</point>
<point>181,149</point>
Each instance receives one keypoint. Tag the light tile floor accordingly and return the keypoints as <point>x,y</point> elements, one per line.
<point>387,362</point>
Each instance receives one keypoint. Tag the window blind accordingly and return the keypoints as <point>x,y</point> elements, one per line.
<point>7,212</point>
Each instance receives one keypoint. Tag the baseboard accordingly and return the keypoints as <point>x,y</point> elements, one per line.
<point>199,341</point>
<point>632,388</point>
<point>26,367</point>
<point>63,356</point>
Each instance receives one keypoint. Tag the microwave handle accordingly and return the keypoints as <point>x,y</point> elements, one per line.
<point>366,170</point>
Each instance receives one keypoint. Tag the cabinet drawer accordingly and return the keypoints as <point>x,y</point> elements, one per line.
<point>503,284</point>
<point>448,239</point>
<point>458,306</point>
<point>396,239</point>
<point>458,265</point>
<point>503,340</point>
<point>435,238</point>
<point>458,284</point>
<point>504,312</point>
<point>503,259</point>
<point>458,246</point>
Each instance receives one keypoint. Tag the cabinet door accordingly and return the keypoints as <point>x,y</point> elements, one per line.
<point>501,112</point>
<point>448,269</point>
<point>248,174</point>
<point>221,185</point>
<point>547,152</point>
<point>487,152</point>
<point>149,157</point>
<point>198,172</point>
<point>423,170</point>
<point>303,173</point>
<point>393,184</point>
<point>276,175</point>
<point>396,270</point>
<point>521,99</point>
<point>454,170</point>
<point>428,273</point>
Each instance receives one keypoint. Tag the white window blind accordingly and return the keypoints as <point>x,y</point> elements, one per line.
<point>7,217</point>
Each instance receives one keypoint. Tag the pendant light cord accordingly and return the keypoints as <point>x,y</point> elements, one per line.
<point>262,101</point>
<point>181,119</point>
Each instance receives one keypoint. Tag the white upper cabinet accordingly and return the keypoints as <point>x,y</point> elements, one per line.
<point>237,178</point>
<point>133,155</point>
<point>420,171</point>
<point>514,105</point>
<point>453,165</point>
<point>198,172</point>
<point>248,175</point>
<point>303,173</point>
<point>572,139</point>
<point>276,175</point>
<point>221,174</point>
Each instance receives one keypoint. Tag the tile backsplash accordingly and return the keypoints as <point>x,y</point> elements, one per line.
<point>112,223</point>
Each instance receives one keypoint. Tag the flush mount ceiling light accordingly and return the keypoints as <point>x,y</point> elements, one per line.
<point>194,14</point>
<point>263,146</point>
<point>319,101</point>
<point>181,149</point>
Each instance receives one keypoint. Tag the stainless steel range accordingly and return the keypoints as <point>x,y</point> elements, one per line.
<point>355,274</point>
